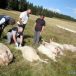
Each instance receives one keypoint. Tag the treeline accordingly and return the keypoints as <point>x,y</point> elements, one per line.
<point>21,5</point>
<point>3,3</point>
<point>39,10</point>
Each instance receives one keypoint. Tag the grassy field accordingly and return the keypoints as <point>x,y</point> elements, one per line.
<point>66,65</point>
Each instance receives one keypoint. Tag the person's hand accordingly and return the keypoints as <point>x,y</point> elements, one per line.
<point>16,44</point>
<point>20,23</point>
<point>42,30</point>
<point>20,45</point>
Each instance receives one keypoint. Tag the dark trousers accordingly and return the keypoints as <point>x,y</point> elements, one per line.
<point>1,29</point>
<point>23,26</point>
<point>36,37</point>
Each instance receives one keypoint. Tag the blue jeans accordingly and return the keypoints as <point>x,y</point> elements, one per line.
<point>36,37</point>
<point>9,37</point>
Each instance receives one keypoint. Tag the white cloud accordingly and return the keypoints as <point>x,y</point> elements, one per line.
<point>55,10</point>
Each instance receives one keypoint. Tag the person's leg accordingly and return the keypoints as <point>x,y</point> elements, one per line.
<point>1,30</point>
<point>20,40</point>
<point>24,26</point>
<point>9,37</point>
<point>37,37</point>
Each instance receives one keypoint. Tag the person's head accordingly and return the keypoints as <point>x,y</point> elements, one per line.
<point>12,21</point>
<point>42,16</point>
<point>29,11</point>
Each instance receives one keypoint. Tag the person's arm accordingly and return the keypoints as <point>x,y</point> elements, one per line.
<point>14,36</point>
<point>2,21</point>
<point>21,39</point>
<point>36,22</point>
<point>20,19</point>
<point>43,26</point>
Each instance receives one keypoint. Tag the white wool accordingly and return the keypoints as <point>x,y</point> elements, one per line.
<point>59,47</point>
<point>54,47</point>
<point>5,55</point>
<point>69,47</point>
<point>30,54</point>
<point>64,47</point>
<point>57,44</point>
<point>44,50</point>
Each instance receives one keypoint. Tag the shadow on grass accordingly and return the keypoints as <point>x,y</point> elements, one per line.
<point>27,36</point>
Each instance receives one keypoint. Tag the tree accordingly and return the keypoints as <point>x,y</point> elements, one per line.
<point>22,5</point>
<point>13,4</point>
<point>3,3</point>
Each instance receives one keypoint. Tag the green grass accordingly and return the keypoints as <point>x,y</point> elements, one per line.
<point>66,65</point>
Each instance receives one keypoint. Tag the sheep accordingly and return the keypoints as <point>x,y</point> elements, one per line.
<point>54,47</point>
<point>46,51</point>
<point>64,47</point>
<point>69,47</point>
<point>57,44</point>
<point>51,50</point>
<point>29,53</point>
<point>5,55</point>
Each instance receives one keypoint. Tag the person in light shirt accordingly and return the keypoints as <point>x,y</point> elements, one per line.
<point>23,18</point>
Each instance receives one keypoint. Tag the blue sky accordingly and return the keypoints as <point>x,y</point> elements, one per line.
<point>67,7</point>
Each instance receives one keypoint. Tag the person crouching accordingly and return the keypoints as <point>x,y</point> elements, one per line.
<point>15,34</point>
<point>4,21</point>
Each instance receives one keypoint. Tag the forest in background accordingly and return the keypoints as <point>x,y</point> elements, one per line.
<point>22,5</point>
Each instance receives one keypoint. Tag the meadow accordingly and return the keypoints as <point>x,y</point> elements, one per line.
<point>66,65</point>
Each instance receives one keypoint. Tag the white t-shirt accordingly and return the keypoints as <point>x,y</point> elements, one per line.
<point>24,17</point>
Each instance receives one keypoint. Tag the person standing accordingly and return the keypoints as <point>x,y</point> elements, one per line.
<point>39,27</point>
<point>4,21</point>
<point>23,18</point>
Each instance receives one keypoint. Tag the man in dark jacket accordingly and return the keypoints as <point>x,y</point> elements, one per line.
<point>39,27</point>
<point>4,21</point>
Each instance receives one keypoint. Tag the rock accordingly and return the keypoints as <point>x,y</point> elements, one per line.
<point>5,55</point>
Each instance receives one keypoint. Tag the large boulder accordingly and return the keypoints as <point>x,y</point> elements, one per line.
<point>5,55</point>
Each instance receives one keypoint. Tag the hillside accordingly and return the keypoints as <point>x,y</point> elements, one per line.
<point>66,65</point>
